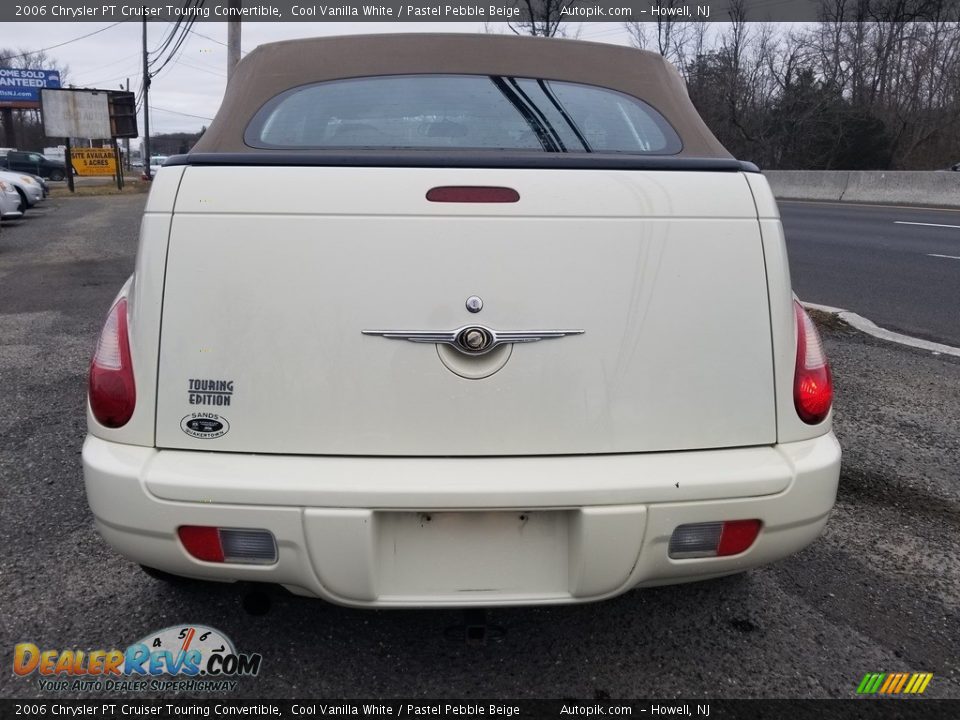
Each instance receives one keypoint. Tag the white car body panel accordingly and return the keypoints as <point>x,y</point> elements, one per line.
<point>560,477</point>
<point>664,273</point>
<point>392,473</point>
<point>396,532</point>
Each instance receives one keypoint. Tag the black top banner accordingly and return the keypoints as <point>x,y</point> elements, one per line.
<point>480,10</point>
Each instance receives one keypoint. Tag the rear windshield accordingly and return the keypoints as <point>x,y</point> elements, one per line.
<point>476,112</point>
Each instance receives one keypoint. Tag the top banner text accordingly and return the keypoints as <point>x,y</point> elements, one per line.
<point>477,11</point>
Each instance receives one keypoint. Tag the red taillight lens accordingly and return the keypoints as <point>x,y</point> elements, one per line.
<point>812,382</point>
<point>202,542</point>
<point>233,545</point>
<point>472,194</point>
<point>737,536</point>
<point>113,393</point>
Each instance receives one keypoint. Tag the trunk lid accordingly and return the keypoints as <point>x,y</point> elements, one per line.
<point>274,272</point>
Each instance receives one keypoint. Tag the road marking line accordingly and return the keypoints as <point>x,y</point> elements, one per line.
<point>904,222</point>
<point>949,257</point>
<point>870,328</point>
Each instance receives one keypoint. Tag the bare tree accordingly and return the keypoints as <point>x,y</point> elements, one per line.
<point>678,41</point>
<point>544,18</point>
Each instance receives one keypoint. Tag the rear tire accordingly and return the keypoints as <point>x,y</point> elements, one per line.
<point>22,207</point>
<point>57,175</point>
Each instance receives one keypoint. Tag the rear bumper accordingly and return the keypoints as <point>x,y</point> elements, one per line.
<point>461,531</point>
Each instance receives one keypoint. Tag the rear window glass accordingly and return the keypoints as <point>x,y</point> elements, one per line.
<point>476,112</point>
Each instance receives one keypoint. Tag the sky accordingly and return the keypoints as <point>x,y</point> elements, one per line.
<point>185,95</point>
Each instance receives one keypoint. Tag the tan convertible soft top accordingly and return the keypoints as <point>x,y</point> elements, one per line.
<point>276,67</point>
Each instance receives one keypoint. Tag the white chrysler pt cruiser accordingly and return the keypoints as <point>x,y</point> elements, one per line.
<point>459,320</point>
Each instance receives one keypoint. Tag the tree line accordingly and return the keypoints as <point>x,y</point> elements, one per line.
<point>872,85</point>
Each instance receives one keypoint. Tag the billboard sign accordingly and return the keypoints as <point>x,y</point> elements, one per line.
<point>94,161</point>
<point>21,88</point>
<point>123,114</point>
<point>76,113</point>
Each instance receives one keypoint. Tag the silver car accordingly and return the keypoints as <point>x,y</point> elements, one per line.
<point>29,190</point>
<point>9,201</point>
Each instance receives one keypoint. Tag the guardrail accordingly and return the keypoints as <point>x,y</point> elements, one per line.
<point>935,189</point>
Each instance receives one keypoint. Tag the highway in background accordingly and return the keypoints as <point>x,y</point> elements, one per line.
<point>899,267</point>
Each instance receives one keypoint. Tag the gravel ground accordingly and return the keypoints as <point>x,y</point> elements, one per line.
<point>880,591</point>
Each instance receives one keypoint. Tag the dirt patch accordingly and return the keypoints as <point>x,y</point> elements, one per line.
<point>830,322</point>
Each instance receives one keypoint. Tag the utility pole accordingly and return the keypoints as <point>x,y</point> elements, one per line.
<point>126,141</point>
<point>233,38</point>
<point>10,131</point>
<point>146,104</point>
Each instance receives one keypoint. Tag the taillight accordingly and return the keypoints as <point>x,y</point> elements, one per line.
<point>232,545</point>
<point>812,383</point>
<point>713,539</point>
<point>113,394</point>
<point>202,542</point>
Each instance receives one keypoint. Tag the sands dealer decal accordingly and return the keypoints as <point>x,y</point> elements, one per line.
<point>205,426</point>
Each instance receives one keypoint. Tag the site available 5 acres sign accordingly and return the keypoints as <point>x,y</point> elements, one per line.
<point>21,88</point>
<point>94,161</point>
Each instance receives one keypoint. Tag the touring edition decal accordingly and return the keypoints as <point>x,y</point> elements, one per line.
<point>209,392</point>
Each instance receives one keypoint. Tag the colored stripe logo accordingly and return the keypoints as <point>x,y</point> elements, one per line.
<point>894,683</point>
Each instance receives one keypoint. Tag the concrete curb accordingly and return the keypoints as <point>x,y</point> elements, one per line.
<point>870,328</point>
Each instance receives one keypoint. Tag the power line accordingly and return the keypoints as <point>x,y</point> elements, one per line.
<point>183,34</point>
<point>177,112</point>
<point>104,82</point>
<point>212,39</point>
<point>197,67</point>
<point>98,68</point>
<point>219,42</point>
<point>66,42</point>
<point>173,37</point>
<point>165,43</point>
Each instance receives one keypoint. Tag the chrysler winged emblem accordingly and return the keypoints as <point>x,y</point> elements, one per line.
<point>472,339</point>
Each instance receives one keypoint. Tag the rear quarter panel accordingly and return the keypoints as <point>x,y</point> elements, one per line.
<point>144,293</point>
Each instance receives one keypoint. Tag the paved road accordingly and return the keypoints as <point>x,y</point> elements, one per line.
<point>879,592</point>
<point>904,277</point>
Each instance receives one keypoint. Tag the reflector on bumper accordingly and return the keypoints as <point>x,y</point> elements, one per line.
<point>231,545</point>
<point>714,539</point>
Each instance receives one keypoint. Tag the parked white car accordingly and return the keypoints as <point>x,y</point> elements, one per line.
<point>9,201</point>
<point>29,189</point>
<point>156,162</point>
<point>480,338</point>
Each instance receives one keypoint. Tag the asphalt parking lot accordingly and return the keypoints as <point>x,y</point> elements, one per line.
<point>879,592</point>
